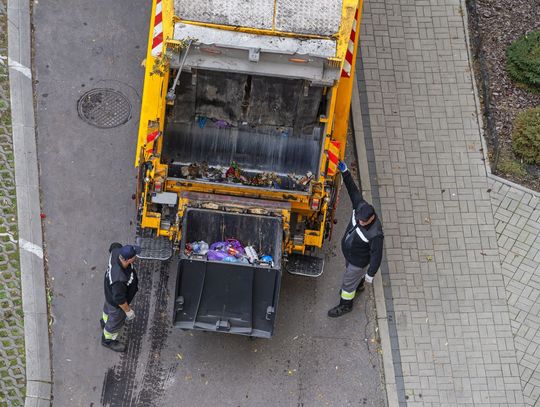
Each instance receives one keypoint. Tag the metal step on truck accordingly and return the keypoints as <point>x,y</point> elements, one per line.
<point>244,117</point>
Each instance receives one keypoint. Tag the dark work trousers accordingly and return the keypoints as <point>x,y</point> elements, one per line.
<point>114,319</point>
<point>351,280</point>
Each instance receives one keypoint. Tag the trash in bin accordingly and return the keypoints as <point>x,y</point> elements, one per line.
<point>251,254</point>
<point>230,250</point>
<point>267,260</point>
<point>199,248</point>
<point>301,181</point>
<point>234,174</point>
<point>201,170</point>
<point>232,259</point>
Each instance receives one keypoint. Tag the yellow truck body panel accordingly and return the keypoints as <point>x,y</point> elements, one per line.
<point>329,72</point>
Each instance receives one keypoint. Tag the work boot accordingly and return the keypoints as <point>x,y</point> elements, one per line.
<point>344,307</point>
<point>102,323</point>
<point>113,344</point>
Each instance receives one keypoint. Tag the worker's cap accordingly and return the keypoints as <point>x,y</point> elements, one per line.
<point>364,211</point>
<point>129,251</point>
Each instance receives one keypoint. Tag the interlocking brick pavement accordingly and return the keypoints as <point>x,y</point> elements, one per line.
<point>12,372</point>
<point>517,216</point>
<point>449,319</point>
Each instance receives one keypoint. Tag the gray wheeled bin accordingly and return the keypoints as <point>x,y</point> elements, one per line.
<point>235,298</point>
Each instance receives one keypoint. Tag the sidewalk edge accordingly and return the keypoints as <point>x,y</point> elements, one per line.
<point>36,334</point>
<point>380,301</point>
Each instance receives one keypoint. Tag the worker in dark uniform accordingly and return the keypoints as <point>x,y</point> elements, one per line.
<point>121,285</point>
<point>362,246</point>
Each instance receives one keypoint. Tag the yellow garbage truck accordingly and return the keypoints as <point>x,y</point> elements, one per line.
<point>244,117</point>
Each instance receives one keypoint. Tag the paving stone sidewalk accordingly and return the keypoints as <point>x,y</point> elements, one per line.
<point>517,216</point>
<point>449,320</point>
<point>12,372</point>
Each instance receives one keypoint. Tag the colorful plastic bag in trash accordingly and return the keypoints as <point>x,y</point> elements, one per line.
<point>267,259</point>
<point>215,253</point>
<point>226,251</point>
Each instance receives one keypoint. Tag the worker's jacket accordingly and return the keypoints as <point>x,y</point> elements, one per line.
<point>120,284</point>
<point>361,245</point>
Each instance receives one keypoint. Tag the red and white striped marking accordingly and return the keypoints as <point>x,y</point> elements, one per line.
<point>333,157</point>
<point>347,65</point>
<point>152,136</point>
<point>157,42</point>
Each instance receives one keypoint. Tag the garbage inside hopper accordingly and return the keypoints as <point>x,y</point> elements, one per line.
<point>236,175</point>
<point>230,251</point>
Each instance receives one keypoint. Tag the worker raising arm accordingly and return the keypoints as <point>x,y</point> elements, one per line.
<point>362,246</point>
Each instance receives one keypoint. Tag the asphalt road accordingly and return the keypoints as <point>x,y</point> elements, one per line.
<point>87,179</point>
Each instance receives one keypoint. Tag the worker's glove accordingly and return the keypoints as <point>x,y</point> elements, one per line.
<point>369,279</point>
<point>342,167</point>
<point>130,315</point>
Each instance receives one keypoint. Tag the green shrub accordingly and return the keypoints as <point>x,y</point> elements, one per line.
<point>526,136</point>
<point>523,60</point>
<point>508,166</point>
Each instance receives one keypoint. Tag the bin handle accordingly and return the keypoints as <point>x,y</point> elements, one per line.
<point>223,325</point>
<point>270,310</point>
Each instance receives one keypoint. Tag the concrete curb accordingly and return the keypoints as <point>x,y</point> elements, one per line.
<point>36,334</point>
<point>380,301</point>
<point>480,114</point>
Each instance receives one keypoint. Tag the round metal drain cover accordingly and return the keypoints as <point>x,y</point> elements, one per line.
<point>104,108</point>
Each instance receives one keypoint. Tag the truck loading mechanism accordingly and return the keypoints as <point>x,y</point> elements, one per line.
<point>243,119</point>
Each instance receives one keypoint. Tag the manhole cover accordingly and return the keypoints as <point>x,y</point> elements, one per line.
<point>104,108</point>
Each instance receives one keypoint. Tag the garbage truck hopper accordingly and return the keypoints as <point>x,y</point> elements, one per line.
<point>268,127</point>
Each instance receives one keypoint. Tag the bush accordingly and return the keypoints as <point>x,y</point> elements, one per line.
<point>508,166</point>
<point>526,136</point>
<point>523,60</point>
